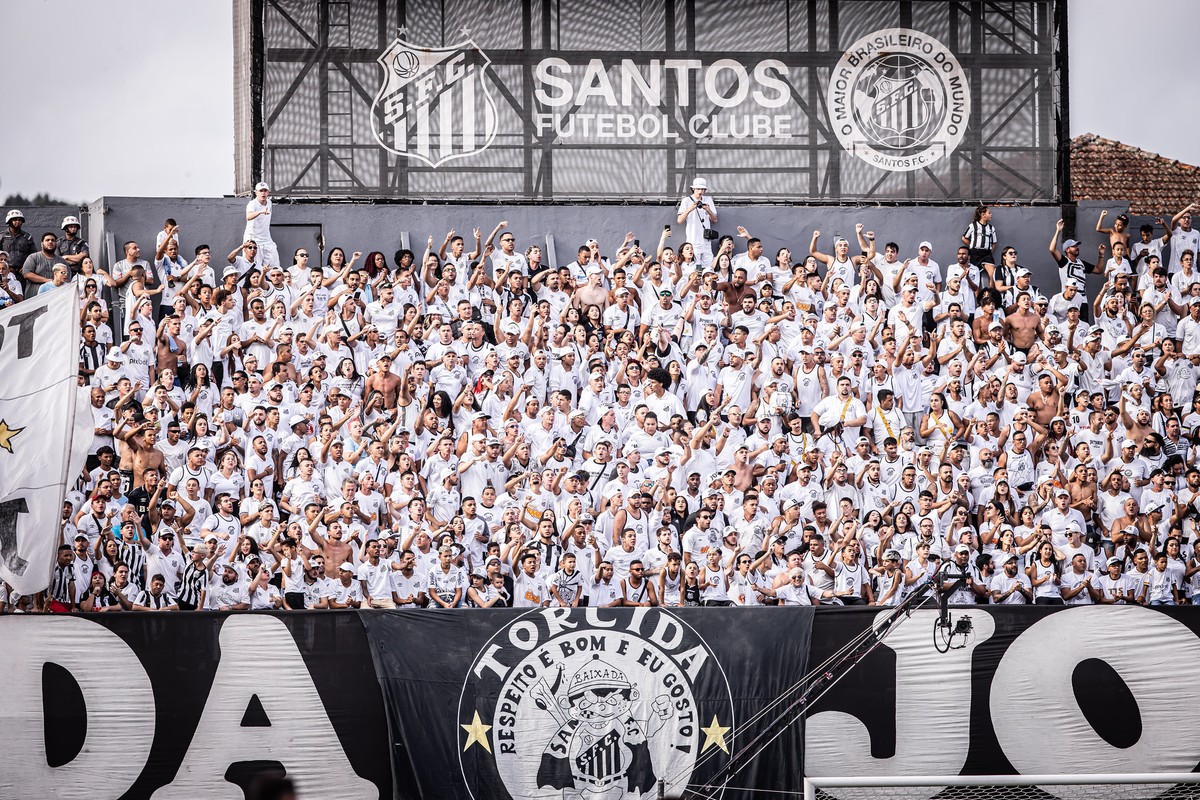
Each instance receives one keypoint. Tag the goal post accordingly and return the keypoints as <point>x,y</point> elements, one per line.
<point>1133,786</point>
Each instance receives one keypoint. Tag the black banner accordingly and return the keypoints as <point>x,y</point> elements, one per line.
<point>817,100</point>
<point>564,703</point>
<point>1030,690</point>
<point>601,702</point>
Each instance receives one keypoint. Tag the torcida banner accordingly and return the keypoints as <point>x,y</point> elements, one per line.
<point>584,703</point>
<point>808,100</point>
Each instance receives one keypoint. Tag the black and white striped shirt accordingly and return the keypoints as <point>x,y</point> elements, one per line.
<point>194,578</point>
<point>135,557</point>
<point>92,356</point>
<point>980,236</point>
<point>150,600</point>
<point>60,587</point>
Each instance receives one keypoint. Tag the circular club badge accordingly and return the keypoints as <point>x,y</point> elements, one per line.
<point>899,100</point>
<point>594,703</point>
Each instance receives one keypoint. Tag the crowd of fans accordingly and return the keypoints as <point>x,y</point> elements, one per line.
<point>692,423</point>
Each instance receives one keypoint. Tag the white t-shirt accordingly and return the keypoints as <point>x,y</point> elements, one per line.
<point>259,228</point>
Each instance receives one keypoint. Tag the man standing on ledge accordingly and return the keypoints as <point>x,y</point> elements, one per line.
<point>699,212</point>
<point>258,227</point>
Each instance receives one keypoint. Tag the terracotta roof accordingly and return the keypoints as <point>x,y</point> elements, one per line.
<point>1102,169</point>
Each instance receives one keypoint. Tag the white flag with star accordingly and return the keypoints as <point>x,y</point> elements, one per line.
<point>39,365</point>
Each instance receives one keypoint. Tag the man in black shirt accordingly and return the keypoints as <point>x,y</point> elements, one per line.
<point>140,497</point>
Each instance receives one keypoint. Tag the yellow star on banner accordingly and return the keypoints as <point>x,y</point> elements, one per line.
<point>7,434</point>
<point>714,734</point>
<point>477,732</point>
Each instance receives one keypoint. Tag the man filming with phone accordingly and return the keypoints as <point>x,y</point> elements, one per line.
<point>699,213</point>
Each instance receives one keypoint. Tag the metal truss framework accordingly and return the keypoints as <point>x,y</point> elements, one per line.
<point>334,163</point>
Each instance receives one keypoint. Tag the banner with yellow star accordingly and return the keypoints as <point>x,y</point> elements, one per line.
<point>589,702</point>
<point>39,397</point>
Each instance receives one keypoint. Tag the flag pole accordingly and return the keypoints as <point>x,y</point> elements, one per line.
<point>72,409</point>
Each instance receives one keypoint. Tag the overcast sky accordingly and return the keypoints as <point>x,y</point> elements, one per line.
<point>153,83</point>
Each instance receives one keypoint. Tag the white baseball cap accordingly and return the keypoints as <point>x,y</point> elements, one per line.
<point>258,187</point>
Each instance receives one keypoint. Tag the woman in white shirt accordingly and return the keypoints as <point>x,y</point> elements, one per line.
<point>1046,577</point>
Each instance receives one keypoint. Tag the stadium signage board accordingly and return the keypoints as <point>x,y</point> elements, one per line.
<point>818,100</point>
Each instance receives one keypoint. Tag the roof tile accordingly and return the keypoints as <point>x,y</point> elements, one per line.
<point>1103,169</point>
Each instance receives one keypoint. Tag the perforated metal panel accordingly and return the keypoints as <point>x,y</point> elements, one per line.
<point>628,100</point>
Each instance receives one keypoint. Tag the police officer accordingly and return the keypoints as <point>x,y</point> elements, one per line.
<point>16,242</point>
<point>72,248</point>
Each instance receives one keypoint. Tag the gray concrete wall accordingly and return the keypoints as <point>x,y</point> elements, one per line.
<point>367,226</point>
<point>46,219</point>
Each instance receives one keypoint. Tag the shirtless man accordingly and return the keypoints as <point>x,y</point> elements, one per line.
<point>141,453</point>
<point>744,469</point>
<point>1044,401</point>
<point>170,351</point>
<point>1083,491</point>
<point>331,545</point>
<point>1024,326</point>
<point>387,383</point>
<point>734,289</point>
<point>593,292</point>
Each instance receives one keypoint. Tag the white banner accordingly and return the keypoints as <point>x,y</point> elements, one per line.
<point>39,365</point>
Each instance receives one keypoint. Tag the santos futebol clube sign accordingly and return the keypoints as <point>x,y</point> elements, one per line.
<point>897,98</point>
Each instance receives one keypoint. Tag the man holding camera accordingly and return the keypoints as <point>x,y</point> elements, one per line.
<point>699,213</point>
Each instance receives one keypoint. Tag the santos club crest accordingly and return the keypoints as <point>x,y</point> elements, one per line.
<point>899,100</point>
<point>595,703</point>
<point>434,104</point>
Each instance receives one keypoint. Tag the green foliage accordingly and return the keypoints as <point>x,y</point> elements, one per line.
<point>39,199</point>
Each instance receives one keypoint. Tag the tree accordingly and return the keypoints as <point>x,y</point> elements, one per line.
<point>39,199</point>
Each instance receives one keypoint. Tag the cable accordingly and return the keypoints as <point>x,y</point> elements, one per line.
<point>806,702</point>
<point>805,679</point>
<point>875,634</point>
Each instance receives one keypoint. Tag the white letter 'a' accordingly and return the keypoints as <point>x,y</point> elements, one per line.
<point>259,657</point>
<point>1033,696</point>
<point>933,726</point>
<point>120,710</point>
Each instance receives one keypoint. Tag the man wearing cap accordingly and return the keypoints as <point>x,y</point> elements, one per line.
<point>1070,266</point>
<point>1010,586</point>
<point>621,315</point>
<point>955,579</point>
<point>258,226</point>
<point>906,318</point>
<point>1113,587</point>
<point>699,213</point>
<point>1184,237</point>
<point>660,317</point>
<point>928,271</point>
<point>164,560</point>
